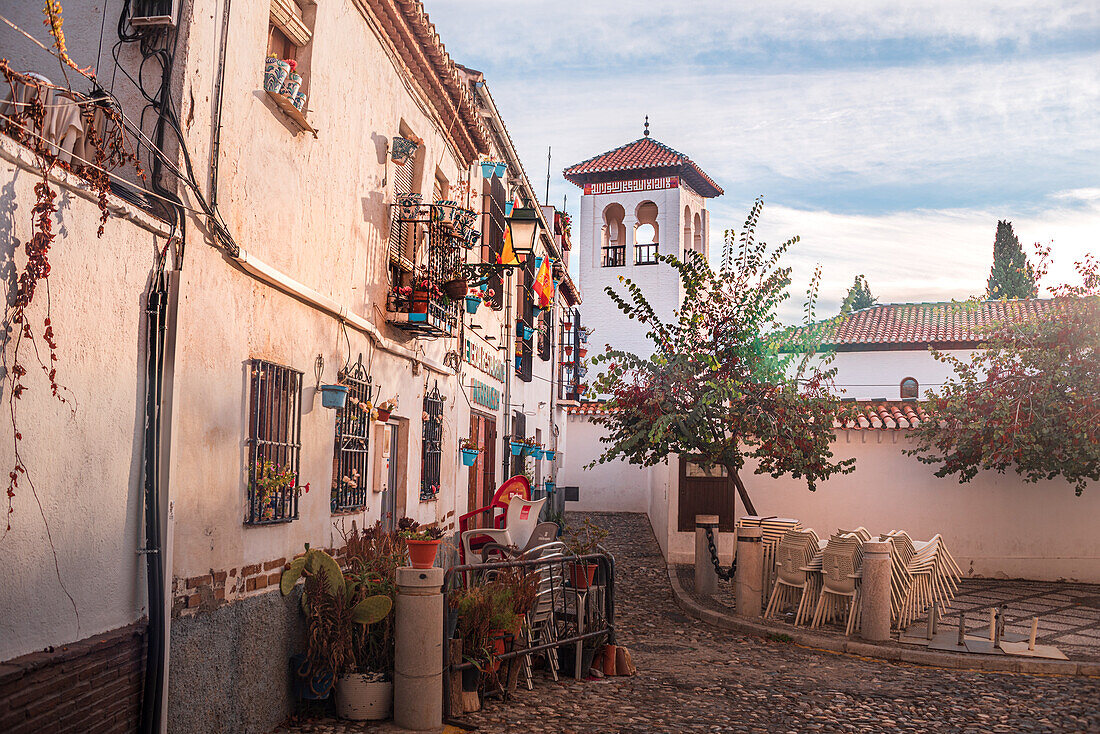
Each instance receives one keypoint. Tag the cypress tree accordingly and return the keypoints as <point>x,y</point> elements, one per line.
<point>859,296</point>
<point>1011,276</point>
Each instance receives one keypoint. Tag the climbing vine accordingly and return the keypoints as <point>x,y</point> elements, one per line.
<point>106,150</point>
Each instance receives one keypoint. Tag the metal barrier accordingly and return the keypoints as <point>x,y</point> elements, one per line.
<point>565,612</point>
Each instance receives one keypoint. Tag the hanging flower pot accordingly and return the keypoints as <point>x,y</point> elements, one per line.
<point>473,236</point>
<point>569,350</point>
<point>455,288</point>
<point>401,148</point>
<point>528,332</point>
<point>517,448</point>
<point>383,415</point>
<point>275,73</point>
<point>422,552</point>
<point>444,213</point>
<point>582,352</point>
<point>300,100</point>
<point>549,455</point>
<point>549,484</point>
<point>488,168</point>
<point>408,206</point>
<point>501,168</point>
<point>508,208</point>
<point>334,396</point>
<point>472,303</point>
<point>469,456</point>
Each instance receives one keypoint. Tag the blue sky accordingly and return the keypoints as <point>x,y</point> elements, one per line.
<point>890,139</point>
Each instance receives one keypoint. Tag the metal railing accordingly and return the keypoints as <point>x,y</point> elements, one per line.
<point>613,256</point>
<point>563,614</point>
<point>645,254</point>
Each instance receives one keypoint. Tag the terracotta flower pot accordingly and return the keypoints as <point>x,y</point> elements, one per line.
<point>422,552</point>
<point>582,574</point>
<point>456,288</point>
<point>420,302</point>
<point>383,415</point>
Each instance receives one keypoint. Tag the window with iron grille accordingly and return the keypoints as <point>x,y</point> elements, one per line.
<point>431,456</point>
<point>524,352</point>
<point>274,442</point>
<point>545,334</point>
<point>494,238</point>
<point>349,461</point>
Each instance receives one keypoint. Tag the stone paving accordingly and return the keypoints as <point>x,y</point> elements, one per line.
<point>1069,614</point>
<point>693,677</point>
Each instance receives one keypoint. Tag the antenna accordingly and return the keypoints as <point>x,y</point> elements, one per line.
<point>547,197</point>
<point>646,133</point>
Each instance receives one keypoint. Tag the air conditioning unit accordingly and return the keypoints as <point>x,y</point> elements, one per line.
<point>154,13</point>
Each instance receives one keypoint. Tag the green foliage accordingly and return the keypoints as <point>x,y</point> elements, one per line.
<point>726,381</point>
<point>1030,400</point>
<point>585,539</point>
<point>1011,275</point>
<point>859,296</point>
<point>491,607</point>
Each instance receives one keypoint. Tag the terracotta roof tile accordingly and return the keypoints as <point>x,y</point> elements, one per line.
<point>644,155</point>
<point>930,323</point>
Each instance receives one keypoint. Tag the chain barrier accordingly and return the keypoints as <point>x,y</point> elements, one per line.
<point>722,574</point>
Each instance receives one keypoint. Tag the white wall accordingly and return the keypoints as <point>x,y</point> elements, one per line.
<point>85,466</point>
<point>612,487</point>
<point>874,374</point>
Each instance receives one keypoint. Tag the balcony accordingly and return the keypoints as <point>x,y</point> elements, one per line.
<point>613,256</point>
<point>417,303</point>
<point>645,254</point>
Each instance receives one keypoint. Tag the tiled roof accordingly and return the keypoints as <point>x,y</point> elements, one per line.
<point>921,324</point>
<point>643,156</point>
<point>889,415</point>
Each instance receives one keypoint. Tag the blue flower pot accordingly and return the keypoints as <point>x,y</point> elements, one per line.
<point>488,169</point>
<point>501,168</point>
<point>309,685</point>
<point>517,448</point>
<point>549,487</point>
<point>469,456</point>
<point>528,332</point>
<point>508,208</point>
<point>334,396</point>
<point>550,455</point>
<point>472,302</point>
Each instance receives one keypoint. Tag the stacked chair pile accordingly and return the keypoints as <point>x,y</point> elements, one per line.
<point>922,573</point>
<point>797,551</point>
<point>841,568</point>
<point>772,530</point>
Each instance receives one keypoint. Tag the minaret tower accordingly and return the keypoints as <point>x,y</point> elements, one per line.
<point>640,199</point>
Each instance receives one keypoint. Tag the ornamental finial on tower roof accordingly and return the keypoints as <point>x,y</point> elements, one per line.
<point>646,133</point>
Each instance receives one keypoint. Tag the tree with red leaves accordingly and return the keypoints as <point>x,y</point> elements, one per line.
<point>726,381</point>
<point>1029,400</point>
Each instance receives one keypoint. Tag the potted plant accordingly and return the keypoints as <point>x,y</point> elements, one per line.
<point>455,286</point>
<point>293,81</point>
<point>583,541</point>
<point>470,450</point>
<point>334,396</point>
<point>335,607</point>
<point>488,169</point>
<point>517,447</point>
<point>422,541</point>
<point>384,409</point>
<point>502,167</point>
<point>299,100</point>
<point>549,485</point>
<point>275,73</point>
<point>490,615</point>
<point>401,148</point>
<point>531,446</point>
<point>472,304</point>
<point>549,454</point>
<point>272,484</point>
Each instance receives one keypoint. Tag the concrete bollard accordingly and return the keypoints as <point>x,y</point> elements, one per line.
<point>706,580</point>
<point>418,649</point>
<point>748,581</point>
<point>875,591</point>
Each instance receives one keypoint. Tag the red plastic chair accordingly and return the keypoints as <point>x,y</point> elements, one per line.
<point>496,512</point>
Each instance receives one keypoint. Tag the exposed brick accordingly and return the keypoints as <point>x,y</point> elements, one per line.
<point>261,582</point>
<point>250,584</point>
<point>193,601</point>
<point>273,579</point>
<point>275,564</point>
<point>196,581</point>
<point>250,570</point>
<point>232,572</point>
<point>219,593</point>
<point>219,577</point>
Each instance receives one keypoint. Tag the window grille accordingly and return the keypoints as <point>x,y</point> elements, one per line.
<point>645,254</point>
<point>614,256</point>
<point>524,352</point>
<point>274,442</point>
<point>349,465</point>
<point>431,456</point>
<point>545,334</point>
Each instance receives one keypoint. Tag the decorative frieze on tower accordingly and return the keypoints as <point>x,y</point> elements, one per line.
<point>640,199</point>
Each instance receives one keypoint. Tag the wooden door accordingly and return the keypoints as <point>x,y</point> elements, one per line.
<point>705,491</point>
<point>482,484</point>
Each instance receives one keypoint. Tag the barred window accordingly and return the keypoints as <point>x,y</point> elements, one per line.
<point>349,462</point>
<point>546,334</point>
<point>432,454</point>
<point>274,442</point>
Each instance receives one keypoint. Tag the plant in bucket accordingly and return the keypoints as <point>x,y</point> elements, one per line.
<point>531,447</point>
<point>422,541</point>
<point>470,450</point>
<point>518,447</point>
<point>582,541</point>
<point>337,610</point>
<point>334,396</point>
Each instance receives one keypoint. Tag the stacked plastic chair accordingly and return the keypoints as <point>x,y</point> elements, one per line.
<point>772,530</point>
<point>794,557</point>
<point>841,566</point>
<point>923,573</point>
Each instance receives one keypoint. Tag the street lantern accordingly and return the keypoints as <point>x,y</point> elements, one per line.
<point>524,227</point>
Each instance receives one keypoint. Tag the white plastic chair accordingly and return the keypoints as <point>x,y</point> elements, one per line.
<point>521,518</point>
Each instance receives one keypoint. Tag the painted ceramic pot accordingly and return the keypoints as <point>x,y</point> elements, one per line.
<point>472,236</point>
<point>275,73</point>
<point>409,206</point>
<point>292,84</point>
<point>402,148</point>
<point>488,169</point>
<point>300,100</point>
<point>444,212</point>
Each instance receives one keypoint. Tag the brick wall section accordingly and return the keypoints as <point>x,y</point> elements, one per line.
<point>93,686</point>
<point>204,593</point>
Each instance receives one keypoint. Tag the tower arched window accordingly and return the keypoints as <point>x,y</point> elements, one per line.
<point>697,239</point>
<point>910,388</point>
<point>646,234</point>
<point>687,244</point>
<point>613,247</point>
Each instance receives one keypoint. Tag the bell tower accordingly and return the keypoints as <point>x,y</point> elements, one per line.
<point>640,199</point>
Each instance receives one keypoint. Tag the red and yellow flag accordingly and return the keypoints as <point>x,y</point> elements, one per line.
<point>507,255</point>
<point>544,284</point>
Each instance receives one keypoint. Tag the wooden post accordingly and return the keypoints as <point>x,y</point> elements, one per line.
<point>1034,630</point>
<point>962,629</point>
<point>454,678</point>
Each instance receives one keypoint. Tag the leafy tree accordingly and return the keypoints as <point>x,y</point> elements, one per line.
<point>859,296</point>
<point>1011,276</point>
<point>726,381</point>
<point>1030,400</point>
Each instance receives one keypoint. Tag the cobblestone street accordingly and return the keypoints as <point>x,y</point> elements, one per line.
<point>695,678</point>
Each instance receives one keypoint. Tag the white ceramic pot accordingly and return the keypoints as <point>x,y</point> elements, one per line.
<point>360,698</point>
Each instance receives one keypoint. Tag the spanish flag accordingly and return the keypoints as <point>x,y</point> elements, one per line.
<point>507,255</point>
<point>544,284</point>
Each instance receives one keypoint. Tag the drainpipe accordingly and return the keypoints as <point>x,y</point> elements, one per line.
<point>509,372</point>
